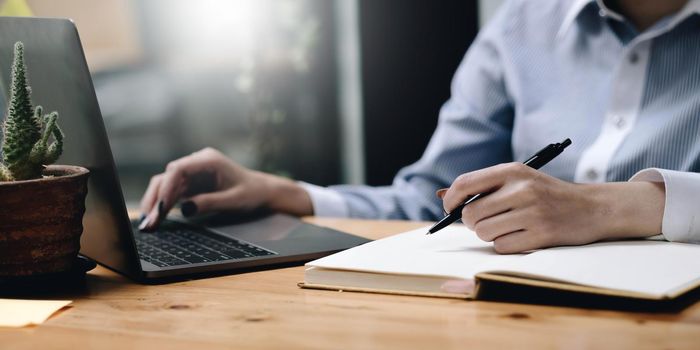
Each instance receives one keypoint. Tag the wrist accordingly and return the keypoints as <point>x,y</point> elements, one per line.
<point>627,209</point>
<point>286,196</point>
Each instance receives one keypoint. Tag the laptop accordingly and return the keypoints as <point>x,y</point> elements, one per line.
<point>60,80</point>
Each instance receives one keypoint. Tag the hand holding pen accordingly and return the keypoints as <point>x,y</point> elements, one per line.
<point>521,209</point>
<point>536,161</point>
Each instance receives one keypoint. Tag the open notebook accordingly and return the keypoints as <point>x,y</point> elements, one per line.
<point>416,264</point>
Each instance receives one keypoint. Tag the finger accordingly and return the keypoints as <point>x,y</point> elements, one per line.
<point>501,224</point>
<point>215,201</point>
<point>153,218</point>
<point>174,183</point>
<point>201,182</point>
<point>519,242</point>
<point>169,189</point>
<point>480,181</point>
<point>150,196</point>
<point>502,200</point>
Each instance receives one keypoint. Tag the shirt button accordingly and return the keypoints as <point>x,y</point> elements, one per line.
<point>592,175</point>
<point>634,57</point>
<point>602,13</point>
<point>618,121</point>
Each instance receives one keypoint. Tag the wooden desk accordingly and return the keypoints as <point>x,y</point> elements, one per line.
<point>267,310</point>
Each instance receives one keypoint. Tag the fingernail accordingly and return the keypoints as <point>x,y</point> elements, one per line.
<point>441,192</point>
<point>188,208</point>
<point>144,223</point>
<point>160,210</point>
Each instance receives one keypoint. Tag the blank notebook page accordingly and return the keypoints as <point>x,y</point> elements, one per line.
<point>652,267</point>
<point>656,268</point>
<point>453,252</point>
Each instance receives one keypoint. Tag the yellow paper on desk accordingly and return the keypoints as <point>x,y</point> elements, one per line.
<point>21,313</point>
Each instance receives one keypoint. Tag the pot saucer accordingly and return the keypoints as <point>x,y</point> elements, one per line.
<point>49,283</point>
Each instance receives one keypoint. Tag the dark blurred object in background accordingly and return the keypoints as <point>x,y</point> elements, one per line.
<point>410,50</point>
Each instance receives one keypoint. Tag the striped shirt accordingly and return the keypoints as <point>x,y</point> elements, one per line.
<point>545,70</point>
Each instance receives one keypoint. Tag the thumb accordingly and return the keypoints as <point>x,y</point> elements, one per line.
<point>211,201</point>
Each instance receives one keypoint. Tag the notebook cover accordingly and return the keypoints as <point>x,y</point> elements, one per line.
<point>506,279</point>
<point>382,291</point>
<point>576,288</point>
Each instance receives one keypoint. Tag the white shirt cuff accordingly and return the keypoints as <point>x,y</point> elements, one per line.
<point>681,221</point>
<point>326,202</point>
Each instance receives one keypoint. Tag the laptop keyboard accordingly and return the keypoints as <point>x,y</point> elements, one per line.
<point>175,243</point>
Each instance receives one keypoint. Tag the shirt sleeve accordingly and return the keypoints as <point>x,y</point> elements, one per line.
<point>681,220</point>
<point>326,202</point>
<point>474,131</point>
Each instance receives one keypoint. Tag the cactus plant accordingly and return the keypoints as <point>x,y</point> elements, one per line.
<point>41,220</point>
<point>25,148</point>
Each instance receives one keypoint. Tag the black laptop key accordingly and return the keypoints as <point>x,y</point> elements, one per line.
<point>235,253</point>
<point>212,255</point>
<point>172,261</point>
<point>177,243</point>
<point>157,262</point>
<point>194,259</point>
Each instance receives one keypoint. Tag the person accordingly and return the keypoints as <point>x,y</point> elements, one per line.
<point>620,78</point>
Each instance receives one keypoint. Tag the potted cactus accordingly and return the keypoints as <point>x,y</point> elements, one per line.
<point>41,205</point>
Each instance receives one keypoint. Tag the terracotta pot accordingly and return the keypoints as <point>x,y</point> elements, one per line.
<point>41,221</point>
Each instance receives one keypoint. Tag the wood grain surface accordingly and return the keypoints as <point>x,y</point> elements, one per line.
<point>266,310</point>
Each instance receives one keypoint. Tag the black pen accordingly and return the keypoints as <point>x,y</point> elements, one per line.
<point>538,160</point>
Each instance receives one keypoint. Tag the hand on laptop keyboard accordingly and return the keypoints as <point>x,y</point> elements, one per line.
<point>208,181</point>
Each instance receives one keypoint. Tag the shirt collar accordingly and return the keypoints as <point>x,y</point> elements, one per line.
<point>692,7</point>
<point>576,7</point>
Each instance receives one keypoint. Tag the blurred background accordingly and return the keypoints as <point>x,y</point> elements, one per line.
<point>341,91</point>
